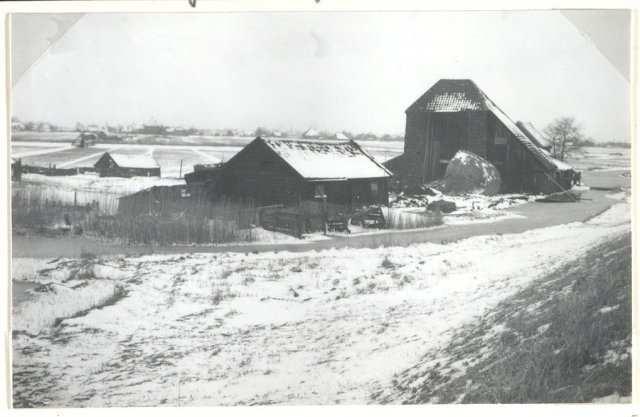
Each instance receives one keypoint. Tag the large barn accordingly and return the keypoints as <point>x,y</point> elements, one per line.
<point>455,114</point>
<point>121,165</point>
<point>290,172</point>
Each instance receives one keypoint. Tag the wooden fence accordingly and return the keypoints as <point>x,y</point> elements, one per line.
<point>279,219</point>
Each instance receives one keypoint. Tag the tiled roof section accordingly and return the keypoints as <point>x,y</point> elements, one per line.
<point>450,96</point>
<point>534,134</point>
<point>317,160</point>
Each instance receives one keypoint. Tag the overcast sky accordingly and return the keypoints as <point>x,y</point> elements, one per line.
<point>333,71</point>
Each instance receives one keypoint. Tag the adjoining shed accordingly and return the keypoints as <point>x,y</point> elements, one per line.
<point>455,114</point>
<point>292,172</point>
<point>538,138</point>
<point>120,165</point>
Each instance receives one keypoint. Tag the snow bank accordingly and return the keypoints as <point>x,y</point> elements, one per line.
<point>57,302</point>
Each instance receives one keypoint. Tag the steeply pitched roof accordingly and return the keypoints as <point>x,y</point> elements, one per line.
<point>322,160</point>
<point>133,161</point>
<point>449,95</point>
<point>534,134</point>
<point>311,133</point>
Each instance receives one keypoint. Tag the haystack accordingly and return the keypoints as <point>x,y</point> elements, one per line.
<point>468,173</point>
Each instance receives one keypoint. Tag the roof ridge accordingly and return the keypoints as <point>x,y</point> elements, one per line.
<point>296,140</point>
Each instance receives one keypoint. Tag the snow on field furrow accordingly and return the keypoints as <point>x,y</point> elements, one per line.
<point>40,151</point>
<point>295,328</point>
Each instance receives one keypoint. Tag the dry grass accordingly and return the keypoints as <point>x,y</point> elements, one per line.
<point>402,220</point>
<point>555,344</point>
<point>201,222</point>
<point>219,222</point>
<point>31,209</point>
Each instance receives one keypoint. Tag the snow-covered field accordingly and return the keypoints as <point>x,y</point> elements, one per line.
<point>188,151</point>
<point>601,159</point>
<point>287,328</point>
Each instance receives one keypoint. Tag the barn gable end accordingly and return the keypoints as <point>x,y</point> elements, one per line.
<point>454,115</point>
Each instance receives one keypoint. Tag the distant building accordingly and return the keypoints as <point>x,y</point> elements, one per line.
<point>311,134</point>
<point>86,139</point>
<point>341,136</point>
<point>455,114</point>
<point>290,172</point>
<point>120,165</point>
<point>17,126</point>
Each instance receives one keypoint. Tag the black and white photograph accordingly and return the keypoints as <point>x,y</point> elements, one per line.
<point>262,208</point>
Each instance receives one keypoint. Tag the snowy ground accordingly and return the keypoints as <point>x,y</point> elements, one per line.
<point>187,150</point>
<point>601,159</point>
<point>472,208</point>
<point>305,328</point>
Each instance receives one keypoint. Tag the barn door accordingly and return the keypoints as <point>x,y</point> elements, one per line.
<point>437,170</point>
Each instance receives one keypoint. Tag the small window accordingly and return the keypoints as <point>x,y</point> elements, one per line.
<point>184,193</point>
<point>374,188</point>
<point>500,140</point>
<point>319,191</point>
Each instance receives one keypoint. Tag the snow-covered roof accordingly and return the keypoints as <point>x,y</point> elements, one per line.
<point>318,160</point>
<point>534,134</point>
<point>560,165</point>
<point>464,95</point>
<point>311,133</point>
<point>134,160</point>
<point>341,136</point>
<point>543,157</point>
<point>450,96</point>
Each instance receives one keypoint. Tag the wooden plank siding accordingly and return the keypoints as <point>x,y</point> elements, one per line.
<point>433,138</point>
<point>259,174</point>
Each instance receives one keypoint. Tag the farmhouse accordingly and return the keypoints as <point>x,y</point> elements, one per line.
<point>291,172</point>
<point>119,165</point>
<point>455,114</point>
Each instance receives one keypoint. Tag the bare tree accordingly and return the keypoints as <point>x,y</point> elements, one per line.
<point>565,135</point>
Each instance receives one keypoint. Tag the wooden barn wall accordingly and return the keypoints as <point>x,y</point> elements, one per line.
<point>430,137</point>
<point>129,172</point>
<point>164,200</point>
<point>258,174</point>
<point>477,123</point>
<point>416,142</point>
<point>352,193</point>
<point>519,169</point>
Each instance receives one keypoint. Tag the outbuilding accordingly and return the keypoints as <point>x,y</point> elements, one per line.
<point>453,115</point>
<point>292,172</point>
<point>122,165</point>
